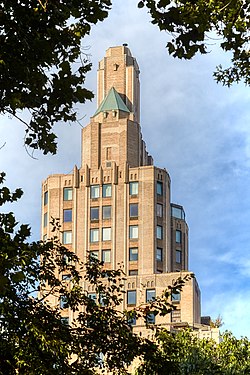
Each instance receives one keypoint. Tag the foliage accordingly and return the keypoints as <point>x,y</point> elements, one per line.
<point>216,323</point>
<point>34,337</point>
<point>193,24</point>
<point>183,353</point>
<point>42,67</point>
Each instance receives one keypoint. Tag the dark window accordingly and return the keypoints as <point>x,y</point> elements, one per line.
<point>150,318</point>
<point>131,297</point>
<point>133,272</point>
<point>67,194</point>
<point>178,236</point>
<point>178,256</point>
<point>45,198</point>
<point>103,300</point>
<point>132,320</point>
<point>94,213</point>
<point>94,255</point>
<point>176,296</point>
<point>159,232</point>
<point>65,320</point>
<point>63,302</point>
<point>150,295</point>
<point>159,210</point>
<point>107,191</point>
<point>92,296</point>
<point>133,210</point>
<point>66,277</point>
<point>106,212</point>
<point>133,253</point>
<point>159,254</point>
<point>45,219</point>
<point>67,215</point>
<point>159,188</point>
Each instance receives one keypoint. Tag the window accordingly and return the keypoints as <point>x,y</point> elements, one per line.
<point>132,320</point>
<point>131,297</point>
<point>133,210</point>
<point>106,256</point>
<point>67,194</point>
<point>94,213</point>
<point>133,231</point>
<point>45,198</point>
<point>178,212</point>
<point>94,255</point>
<point>94,191</point>
<point>66,277</point>
<point>107,190</point>
<point>63,302</point>
<point>65,260</point>
<point>106,212</point>
<point>67,237</point>
<point>159,188</point>
<point>65,320</point>
<point>176,315</point>
<point>133,188</point>
<point>159,232</point>
<point>94,235</point>
<point>45,219</point>
<point>92,296</point>
<point>133,254</point>
<point>159,254</point>
<point>159,210</point>
<point>178,236</point>
<point>67,216</point>
<point>150,318</point>
<point>178,256</point>
<point>176,296</point>
<point>133,272</point>
<point>106,234</point>
<point>150,295</point>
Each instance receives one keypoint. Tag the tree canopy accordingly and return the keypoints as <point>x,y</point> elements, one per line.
<point>183,353</point>
<point>195,25</point>
<point>43,65</point>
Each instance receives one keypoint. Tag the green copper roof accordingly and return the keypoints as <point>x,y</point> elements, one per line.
<point>113,101</point>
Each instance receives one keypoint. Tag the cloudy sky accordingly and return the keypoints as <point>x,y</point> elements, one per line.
<point>198,130</point>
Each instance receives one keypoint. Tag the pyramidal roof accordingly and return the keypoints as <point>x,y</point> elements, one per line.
<point>113,101</point>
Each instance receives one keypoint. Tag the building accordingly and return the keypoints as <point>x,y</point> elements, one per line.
<point>117,205</point>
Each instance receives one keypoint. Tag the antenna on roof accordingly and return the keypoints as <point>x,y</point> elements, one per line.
<point>125,44</point>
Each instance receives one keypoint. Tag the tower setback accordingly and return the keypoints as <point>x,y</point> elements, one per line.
<point>117,205</point>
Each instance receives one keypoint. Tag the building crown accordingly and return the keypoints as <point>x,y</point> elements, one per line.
<point>112,102</point>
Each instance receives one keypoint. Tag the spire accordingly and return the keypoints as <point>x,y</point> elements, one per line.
<point>113,101</point>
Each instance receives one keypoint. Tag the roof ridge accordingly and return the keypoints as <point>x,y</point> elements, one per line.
<point>112,101</point>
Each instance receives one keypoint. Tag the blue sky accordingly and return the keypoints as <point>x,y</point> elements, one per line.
<point>198,130</point>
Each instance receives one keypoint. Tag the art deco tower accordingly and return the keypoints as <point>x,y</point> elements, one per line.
<point>117,204</point>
